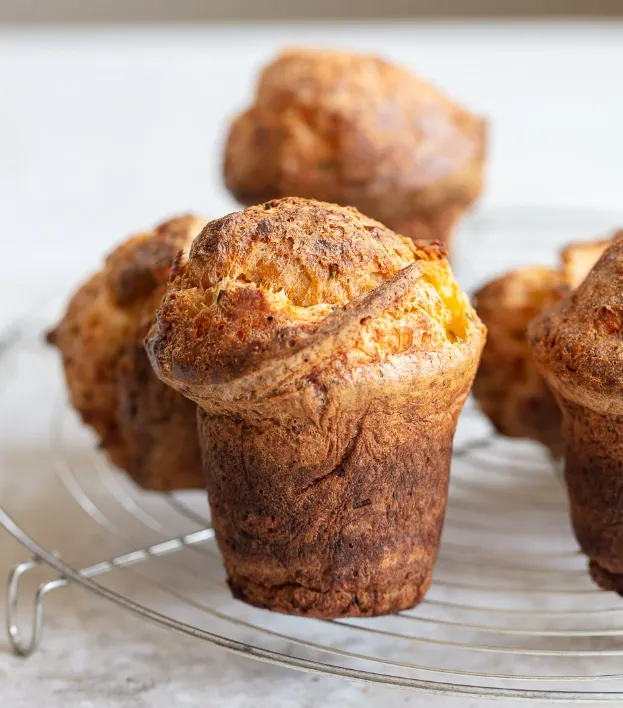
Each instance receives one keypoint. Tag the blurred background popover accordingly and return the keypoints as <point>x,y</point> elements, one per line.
<point>356,130</point>
<point>508,387</point>
<point>145,427</point>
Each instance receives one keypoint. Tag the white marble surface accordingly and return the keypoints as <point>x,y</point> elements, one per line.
<point>103,132</point>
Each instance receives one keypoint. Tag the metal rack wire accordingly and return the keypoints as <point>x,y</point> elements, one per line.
<point>511,613</point>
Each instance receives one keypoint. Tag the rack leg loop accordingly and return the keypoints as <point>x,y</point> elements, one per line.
<point>21,646</point>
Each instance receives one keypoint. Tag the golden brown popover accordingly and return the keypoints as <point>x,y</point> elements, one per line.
<point>508,387</point>
<point>578,258</point>
<point>578,348</point>
<point>146,428</point>
<point>354,129</point>
<point>330,359</point>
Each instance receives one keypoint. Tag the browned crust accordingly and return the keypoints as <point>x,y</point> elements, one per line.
<point>158,425</point>
<point>345,520</point>
<point>109,382</point>
<point>330,377</point>
<point>577,347</point>
<point>593,462</point>
<point>354,129</point>
<point>508,387</point>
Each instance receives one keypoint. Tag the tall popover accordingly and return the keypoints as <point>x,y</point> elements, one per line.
<point>330,359</point>
<point>578,347</point>
<point>355,129</point>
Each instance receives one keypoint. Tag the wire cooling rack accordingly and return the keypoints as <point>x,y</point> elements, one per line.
<point>511,612</point>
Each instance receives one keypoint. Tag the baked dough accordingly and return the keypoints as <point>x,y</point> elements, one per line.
<point>330,358</point>
<point>578,348</point>
<point>356,130</point>
<point>508,387</point>
<point>146,428</point>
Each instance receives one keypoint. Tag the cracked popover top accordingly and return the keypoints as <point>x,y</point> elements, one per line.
<point>578,344</point>
<point>355,130</point>
<point>294,288</point>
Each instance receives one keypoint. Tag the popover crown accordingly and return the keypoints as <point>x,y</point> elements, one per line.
<point>296,280</point>
<point>578,344</point>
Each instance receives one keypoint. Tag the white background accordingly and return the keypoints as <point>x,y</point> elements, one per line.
<point>103,132</point>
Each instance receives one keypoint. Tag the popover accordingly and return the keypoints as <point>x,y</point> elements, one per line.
<point>578,348</point>
<point>357,130</point>
<point>508,387</point>
<point>145,427</point>
<point>329,358</point>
